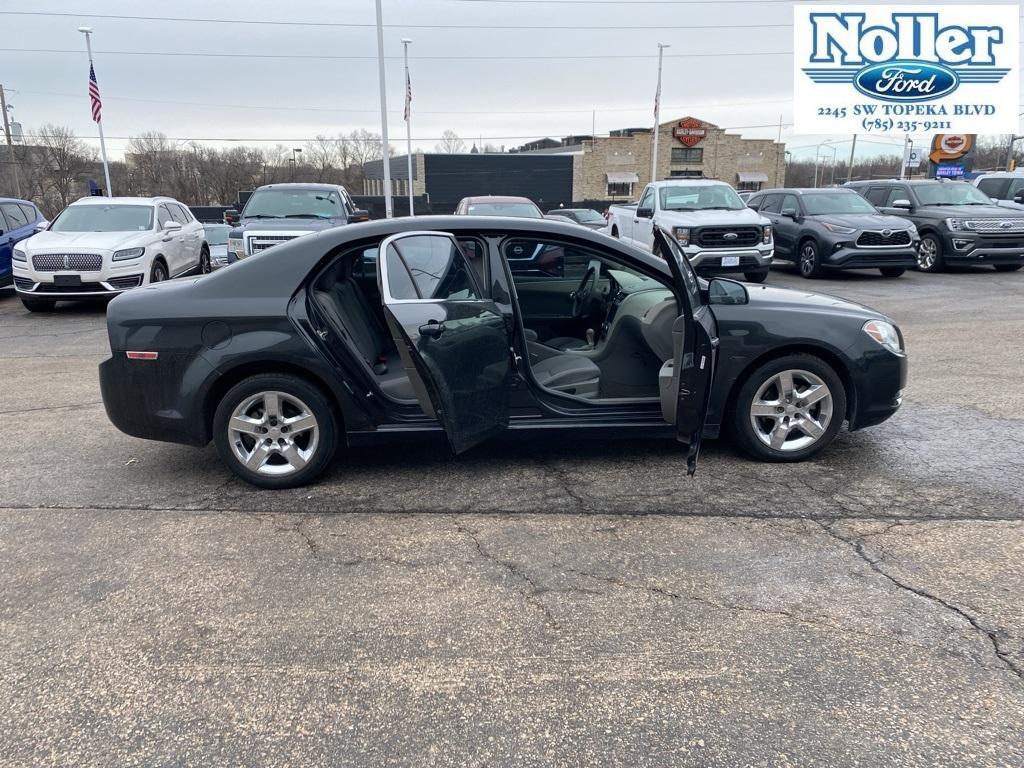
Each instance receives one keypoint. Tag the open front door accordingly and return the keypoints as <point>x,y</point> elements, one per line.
<point>454,344</point>
<point>685,381</point>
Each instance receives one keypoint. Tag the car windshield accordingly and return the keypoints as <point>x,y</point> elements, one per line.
<point>585,215</point>
<point>950,193</point>
<point>293,204</point>
<point>700,198</point>
<point>836,202</point>
<point>517,210</point>
<point>216,234</point>
<point>104,218</point>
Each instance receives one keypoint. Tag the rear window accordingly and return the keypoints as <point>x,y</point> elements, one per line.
<point>517,210</point>
<point>104,218</point>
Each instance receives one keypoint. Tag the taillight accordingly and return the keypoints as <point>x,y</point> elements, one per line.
<point>142,355</point>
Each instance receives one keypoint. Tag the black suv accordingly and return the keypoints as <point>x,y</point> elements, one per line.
<point>958,224</point>
<point>820,229</point>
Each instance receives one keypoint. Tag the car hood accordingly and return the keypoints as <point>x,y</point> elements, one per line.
<point>285,225</point>
<point>1009,204</point>
<point>92,241</point>
<point>770,297</point>
<point>969,211</point>
<point>711,218</point>
<point>863,220</point>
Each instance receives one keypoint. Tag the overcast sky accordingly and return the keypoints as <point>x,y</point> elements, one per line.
<point>503,81</point>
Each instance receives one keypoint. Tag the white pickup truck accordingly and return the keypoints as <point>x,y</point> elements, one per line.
<point>709,221</point>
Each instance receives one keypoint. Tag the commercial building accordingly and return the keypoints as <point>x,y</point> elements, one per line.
<point>589,168</point>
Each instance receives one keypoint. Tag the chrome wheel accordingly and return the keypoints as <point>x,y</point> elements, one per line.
<point>791,410</point>
<point>927,254</point>
<point>273,433</point>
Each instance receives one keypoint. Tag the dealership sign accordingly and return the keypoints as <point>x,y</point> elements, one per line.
<point>690,131</point>
<point>912,69</point>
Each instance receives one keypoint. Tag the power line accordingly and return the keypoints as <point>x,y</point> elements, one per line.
<point>364,25</point>
<point>334,57</point>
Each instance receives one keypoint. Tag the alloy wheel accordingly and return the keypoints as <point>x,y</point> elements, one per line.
<point>927,254</point>
<point>791,410</point>
<point>808,257</point>
<point>273,433</point>
<point>204,263</point>
<point>159,274</point>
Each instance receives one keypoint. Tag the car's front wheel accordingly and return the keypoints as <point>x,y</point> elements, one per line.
<point>789,409</point>
<point>38,305</point>
<point>275,430</point>
<point>204,261</point>
<point>159,272</point>
<point>810,260</point>
<point>929,254</point>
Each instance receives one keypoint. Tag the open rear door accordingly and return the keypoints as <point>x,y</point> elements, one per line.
<point>685,381</point>
<point>454,344</point>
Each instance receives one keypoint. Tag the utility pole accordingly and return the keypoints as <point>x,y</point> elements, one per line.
<point>849,168</point>
<point>388,210</point>
<point>1009,150</point>
<point>408,122</point>
<point>87,31</point>
<point>903,160</point>
<point>657,116</point>
<point>10,143</point>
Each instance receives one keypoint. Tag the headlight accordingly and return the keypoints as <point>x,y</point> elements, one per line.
<point>839,230</point>
<point>236,246</point>
<point>957,225</point>
<point>912,231</point>
<point>20,255</point>
<point>766,236</point>
<point>885,334</point>
<point>128,253</point>
<point>682,235</point>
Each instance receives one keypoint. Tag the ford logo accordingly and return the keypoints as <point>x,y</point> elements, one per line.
<point>730,236</point>
<point>906,81</point>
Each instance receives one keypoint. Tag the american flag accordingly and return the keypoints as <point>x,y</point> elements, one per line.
<point>94,95</point>
<point>408,96</point>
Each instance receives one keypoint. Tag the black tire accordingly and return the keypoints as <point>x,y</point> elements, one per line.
<point>929,254</point>
<point>38,305</point>
<point>755,277</point>
<point>205,267</point>
<point>891,271</point>
<point>740,418</point>
<point>158,273</point>
<point>293,386</point>
<point>808,260</point>
<point>1007,267</point>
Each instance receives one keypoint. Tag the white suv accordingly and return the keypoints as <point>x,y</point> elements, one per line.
<point>98,247</point>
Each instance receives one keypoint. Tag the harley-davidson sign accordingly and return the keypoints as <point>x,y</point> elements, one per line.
<point>690,131</point>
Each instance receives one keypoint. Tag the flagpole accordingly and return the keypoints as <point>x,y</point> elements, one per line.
<point>408,120</point>
<point>388,211</point>
<point>87,31</point>
<point>657,116</point>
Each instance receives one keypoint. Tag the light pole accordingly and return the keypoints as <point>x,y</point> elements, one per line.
<point>657,116</point>
<point>10,144</point>
<point>408,122</point>
<point>95,94</point>
<point>817,157</point>
<point>787,157</point>
<point>295,162</point>
<point>388,211</point>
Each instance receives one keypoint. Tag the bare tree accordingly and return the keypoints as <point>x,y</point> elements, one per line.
<point>65,162</point>
<point>450,143</point>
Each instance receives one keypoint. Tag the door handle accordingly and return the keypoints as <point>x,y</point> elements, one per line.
<point>167,240</point>
<point>432,329</point>
<point>636,221</point>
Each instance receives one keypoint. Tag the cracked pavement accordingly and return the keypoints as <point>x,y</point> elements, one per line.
<point>530,603</point>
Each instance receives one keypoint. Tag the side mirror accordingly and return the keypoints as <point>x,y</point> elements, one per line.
<point>724,291</point>
<point>753,206</point>
<point>901,203</point>
<point>1019,197</point>
<point>644,213</point>
<point>171,226</point>
<point>231,216</point>
<point>358,215</point>
<point>792,213</point>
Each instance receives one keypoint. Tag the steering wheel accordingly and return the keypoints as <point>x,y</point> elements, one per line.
<point>583,296</point>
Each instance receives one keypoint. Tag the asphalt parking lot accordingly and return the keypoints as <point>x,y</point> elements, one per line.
<point>527,603</point>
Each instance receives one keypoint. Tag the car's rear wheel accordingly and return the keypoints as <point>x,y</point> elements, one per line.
<point>929,254</point>
<point>809,260</point>
<point>38,305</point>
<point>1007,267</point>
<point>159,272</point>
<point>756,277</point>
<point>275,430</point>
<point>891,271</point>
<point>204,261</point>
<point>789,409</point>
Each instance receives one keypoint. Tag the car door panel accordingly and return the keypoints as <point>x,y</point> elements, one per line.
<point>454,344</point>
